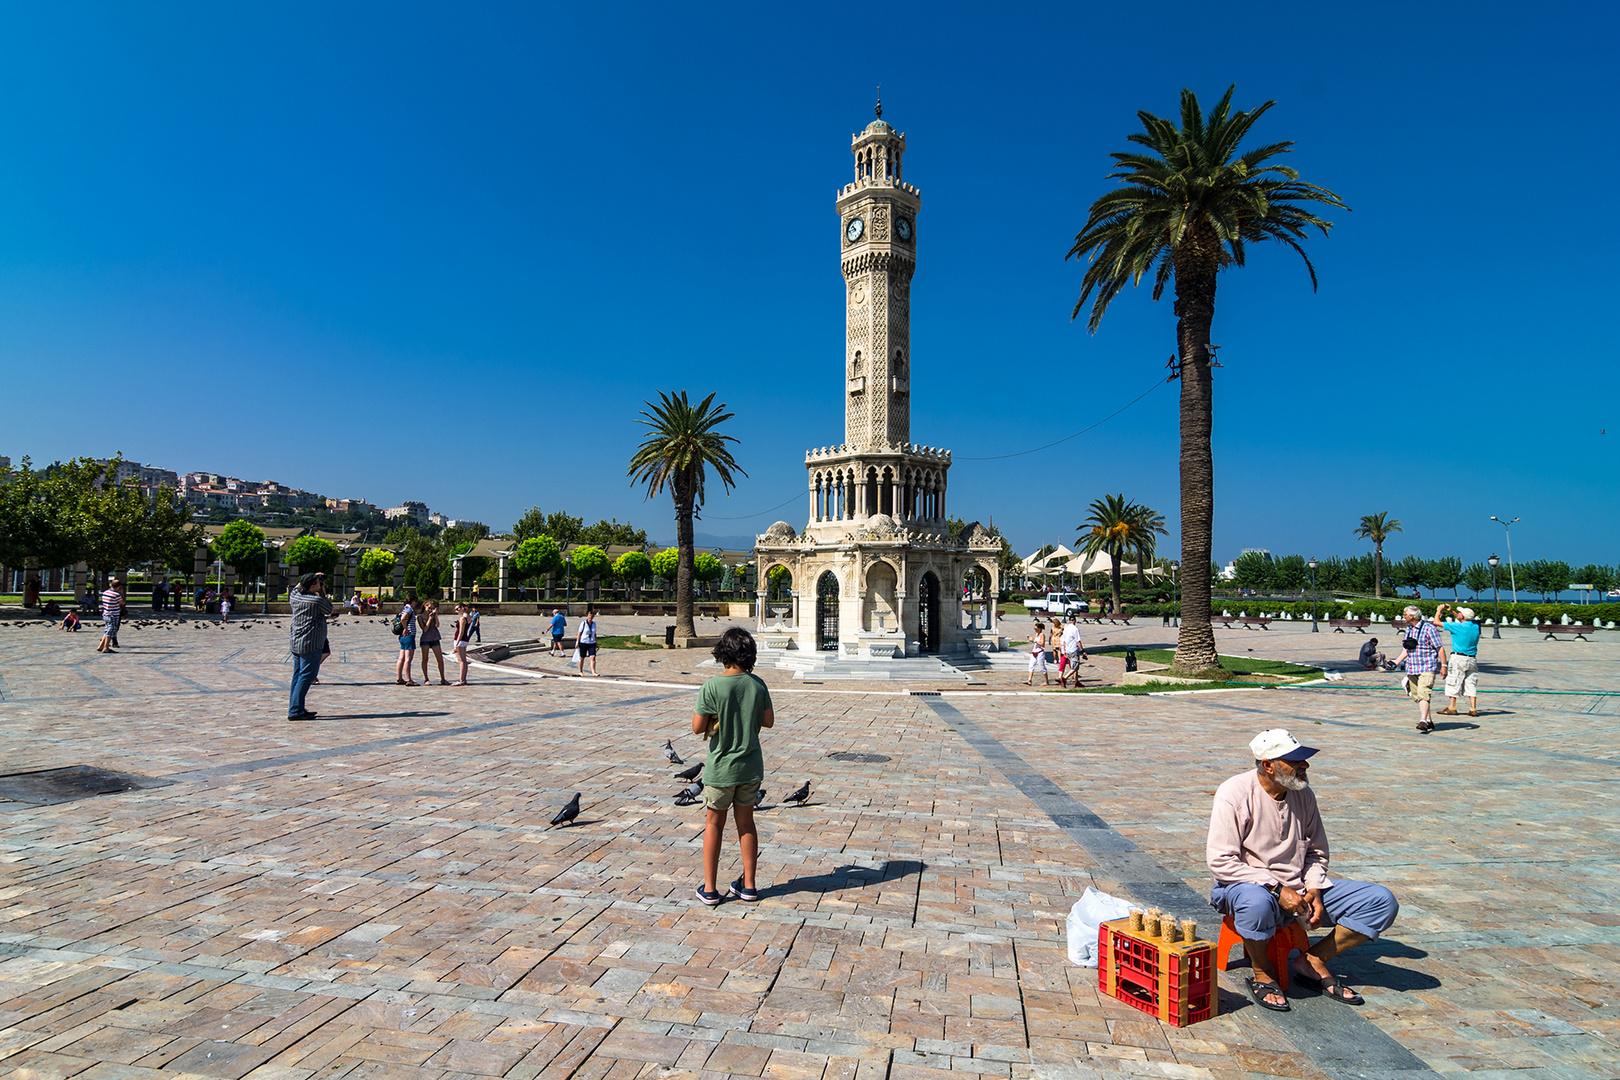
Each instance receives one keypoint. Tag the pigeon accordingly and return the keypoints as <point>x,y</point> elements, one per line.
<point>760,797</point>
<point>689,794</point>
<point>799,796</point>
<point>690,774</point>
<point>567,814</point>
<point>669,752</point>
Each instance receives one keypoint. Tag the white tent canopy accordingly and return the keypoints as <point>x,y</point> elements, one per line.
<point>1042,564</point>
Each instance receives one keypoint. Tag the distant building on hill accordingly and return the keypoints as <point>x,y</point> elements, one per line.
<point>416,511</point>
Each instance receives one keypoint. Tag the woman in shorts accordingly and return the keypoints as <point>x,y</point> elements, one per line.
<point>429,642</point>
<point>461,634</point>
<point>1037,656</point>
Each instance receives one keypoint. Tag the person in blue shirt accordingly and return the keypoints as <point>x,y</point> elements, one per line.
<point>559,626</point>
<point>1461,657</point>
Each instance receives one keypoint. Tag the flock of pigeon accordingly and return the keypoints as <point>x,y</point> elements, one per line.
<point>689,795</point>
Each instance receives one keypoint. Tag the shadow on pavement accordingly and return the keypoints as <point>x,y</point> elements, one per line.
<point>847,876</point>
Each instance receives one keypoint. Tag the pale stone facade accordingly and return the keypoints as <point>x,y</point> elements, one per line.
<point>875,571</point>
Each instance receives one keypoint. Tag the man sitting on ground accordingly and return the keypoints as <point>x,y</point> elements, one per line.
<point>1371,658</point>
<point>1269,854</point>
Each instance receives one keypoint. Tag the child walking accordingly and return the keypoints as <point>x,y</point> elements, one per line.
<point>731,708</point>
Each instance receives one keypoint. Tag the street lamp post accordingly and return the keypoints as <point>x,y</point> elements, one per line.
<point>1315,628</point>
<point>1496,620</point>
<point>1513,581</point>
<point>1175,594</point>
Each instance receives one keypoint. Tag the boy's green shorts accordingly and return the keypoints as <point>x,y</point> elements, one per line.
<point>722,798</point>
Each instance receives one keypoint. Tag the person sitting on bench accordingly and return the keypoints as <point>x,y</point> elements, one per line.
<point>1269,854</point>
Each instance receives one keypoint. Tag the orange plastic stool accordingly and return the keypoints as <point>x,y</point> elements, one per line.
<point>1289,936</point>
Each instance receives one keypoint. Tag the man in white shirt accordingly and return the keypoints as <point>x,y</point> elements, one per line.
<point>1073,649</point>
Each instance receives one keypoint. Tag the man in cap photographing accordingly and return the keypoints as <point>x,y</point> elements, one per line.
<point>1269,854</point>
<point>311,607</point>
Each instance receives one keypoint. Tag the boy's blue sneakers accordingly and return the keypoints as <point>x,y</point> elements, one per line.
<point>740,892</point>
<point>710,898</point>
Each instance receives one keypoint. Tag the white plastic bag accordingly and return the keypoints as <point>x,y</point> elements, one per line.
<point>1089,912</point>
<point>573,661</point>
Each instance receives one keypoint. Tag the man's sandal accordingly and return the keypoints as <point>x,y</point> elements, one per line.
<point>1332,987</point>
<point>1260,989</point>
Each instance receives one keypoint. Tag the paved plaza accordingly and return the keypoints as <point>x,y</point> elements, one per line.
<point>376,893</point>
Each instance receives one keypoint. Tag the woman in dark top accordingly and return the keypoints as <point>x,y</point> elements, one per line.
<point>430,642</point>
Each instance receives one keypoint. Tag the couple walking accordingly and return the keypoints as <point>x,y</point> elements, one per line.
<point>1424,657</point>
<point>1068,647</point>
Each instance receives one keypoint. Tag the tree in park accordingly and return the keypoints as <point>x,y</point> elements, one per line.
<point>1146,528</point>
<point>1378,528</point>
<point>1116,527</point>
<point>1601,578</point>
<point>632,568</point>
<point>590,563</point>
<point>312,555</point>
<point>377,567</point>
<point>666,564</point>
<point>1252,570</point>
<point>681,446</point>
<point>561,527</point>
<point>707,568</point>
<point>1330,573</point>
<point>1408,573</point>
<point>240,545</point>
<point>1290,574</point>
<point>537,556</point>
<point>606,533</point>
<point>1188,209</point>
<point>1477,578</point>
<point>1440,574</point>
<point>33,524</point>
<point>778,580</point>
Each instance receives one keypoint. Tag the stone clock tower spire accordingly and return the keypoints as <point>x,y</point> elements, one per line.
<point>878,217</point>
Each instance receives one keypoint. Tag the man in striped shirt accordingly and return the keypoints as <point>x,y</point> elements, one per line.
<point>311,607</point>
<point>112,612</point>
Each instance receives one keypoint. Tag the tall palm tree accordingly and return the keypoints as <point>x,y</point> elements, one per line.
<point>1188,209</point>
<point>1116,527</point>
<point>681,446</point>
<point>1377,528</point>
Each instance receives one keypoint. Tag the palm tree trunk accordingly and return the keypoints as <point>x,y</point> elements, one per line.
<point>686,558</point>
<point>1118,557</point>
<point>1378,571</point>
<point>1195,272</point>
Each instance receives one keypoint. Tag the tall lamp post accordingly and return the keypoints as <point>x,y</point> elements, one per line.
<point>1513,582</point>
<point>1315,629</point>
<point>1496,620</point>
<point>1175,594</point>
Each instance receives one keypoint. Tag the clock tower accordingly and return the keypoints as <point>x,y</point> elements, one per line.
<point>877,254</point>
<point>877,572</point>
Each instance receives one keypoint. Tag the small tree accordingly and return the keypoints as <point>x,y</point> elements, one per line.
<point>707,568</point>
<point>311,554</point>
<point>1252,570</point>
<point>537,556</point>
<point>1290,573</point>
<point>377,567</point>
<point>590,563</point>
<point>1442,573</point>
<point>666,564</point>
<point>1478,578</point>
<point>778,579</point>
<point>632,568</point>
<point>240,545</point>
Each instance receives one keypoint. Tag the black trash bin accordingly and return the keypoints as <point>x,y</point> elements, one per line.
<point>669,636</point>
<point>1130,659</point>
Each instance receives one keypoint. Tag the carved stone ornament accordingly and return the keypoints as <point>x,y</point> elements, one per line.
<point>880,223</point>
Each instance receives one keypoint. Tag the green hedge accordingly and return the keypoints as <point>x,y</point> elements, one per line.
<point>1362,609</point>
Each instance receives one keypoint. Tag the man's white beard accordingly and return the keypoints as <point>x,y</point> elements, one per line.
<point>1292,783</point>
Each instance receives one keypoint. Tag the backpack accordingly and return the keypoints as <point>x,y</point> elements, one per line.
<point>398,626</point>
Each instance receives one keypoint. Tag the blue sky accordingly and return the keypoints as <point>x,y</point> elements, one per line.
<point>445,253</point>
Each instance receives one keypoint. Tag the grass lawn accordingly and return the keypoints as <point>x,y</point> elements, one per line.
<point>1237,665</point>
<point>624,641</point>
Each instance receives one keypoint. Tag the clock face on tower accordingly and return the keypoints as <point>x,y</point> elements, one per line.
<point>856,228</point>
<point>903,227</point>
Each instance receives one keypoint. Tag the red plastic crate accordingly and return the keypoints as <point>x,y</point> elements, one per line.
<point>1175,983</point>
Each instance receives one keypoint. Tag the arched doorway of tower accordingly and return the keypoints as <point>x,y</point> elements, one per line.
<point>827,612</point>
<point>928,613</point>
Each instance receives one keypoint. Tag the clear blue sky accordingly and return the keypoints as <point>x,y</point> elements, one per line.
<point>444,253</point>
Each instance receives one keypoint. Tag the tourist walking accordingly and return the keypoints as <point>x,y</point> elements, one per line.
<point>112,611</point>
<point>407,645</point>
<point>1074,649</point>
<point>1420,654</point>
<point>1037,655</point>
<point>225,606</point>
<point>430,640</point>
<point>731,709</point>
<point>459,634</point>
<point>311,607</point>
<point>586,645</point>
<point>1460,659</point>
<point>559,627</point>
<point>477,630</point>
<point>159,592</point>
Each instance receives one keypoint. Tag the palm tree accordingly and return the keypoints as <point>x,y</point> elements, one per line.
<point>681,446</point>
<point>1377,528</point>
<point>1148,526</point>
<point>1116,527</point>
<point>1188,210</point>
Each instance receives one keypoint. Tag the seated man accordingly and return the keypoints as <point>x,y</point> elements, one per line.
<point>1371,658</point>
<point>1269,854</point>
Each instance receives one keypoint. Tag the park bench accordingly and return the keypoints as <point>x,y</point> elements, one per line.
<point>1557,630</point>
<point>1341,625</point>
<point>1248,622</point>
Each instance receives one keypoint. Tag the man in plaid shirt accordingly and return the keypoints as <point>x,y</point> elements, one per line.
<point>1420,653</point>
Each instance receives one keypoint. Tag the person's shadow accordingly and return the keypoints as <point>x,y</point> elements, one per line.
<point>846,877</point>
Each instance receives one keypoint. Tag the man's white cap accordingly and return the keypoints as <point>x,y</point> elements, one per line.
<point>1278,745</point>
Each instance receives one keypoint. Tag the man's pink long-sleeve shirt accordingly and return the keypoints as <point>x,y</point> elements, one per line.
<point>1254,837</point>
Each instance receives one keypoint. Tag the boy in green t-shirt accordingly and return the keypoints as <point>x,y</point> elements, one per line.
<point>731,708</point>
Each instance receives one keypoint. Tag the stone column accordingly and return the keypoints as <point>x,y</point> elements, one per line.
<point>501,581</point>
<point>80,585</point>
<point>199,569</point>
<point>455,578</point>
<point>796,619</point>
<point>991,616</point>
<point>759,609</point>
<point>399,576</point>
<point>551,585</point>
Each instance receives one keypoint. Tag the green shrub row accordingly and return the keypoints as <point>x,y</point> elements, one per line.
<point>1364,609</point>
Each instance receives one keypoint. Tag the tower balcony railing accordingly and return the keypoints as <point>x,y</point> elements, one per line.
<point>877,181</point>
<point>932,453</point>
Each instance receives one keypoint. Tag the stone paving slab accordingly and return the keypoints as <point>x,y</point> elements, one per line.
<point>377,894</point>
